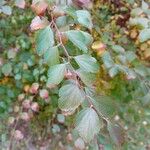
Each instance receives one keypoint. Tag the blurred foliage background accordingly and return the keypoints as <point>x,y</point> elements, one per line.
<point>20,67</point>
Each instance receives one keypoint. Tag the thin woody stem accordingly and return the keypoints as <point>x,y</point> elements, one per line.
<point>68,56</point>
<point>92,106</point>
<point>60,40</point>
<point>64,48</point>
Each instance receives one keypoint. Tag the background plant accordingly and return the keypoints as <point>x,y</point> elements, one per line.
<point>84,70</point>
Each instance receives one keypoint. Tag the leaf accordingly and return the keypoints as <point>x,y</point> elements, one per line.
<point>39,6</point>
<point>55,128</point>
<point>118,49</point>
<point>88,39</point>
<point>6,10</point>
<point>61,21</point>
<point>39,23</point>
<point>107,60</point>
<point>87,124</point>
<point>44,40</point>
<point>146,99</point>
<point>82,3</point>
<point>116,133</point>
<point>144,5</point>
<point>61,118</point>
<point>104,105</point>
<point>71,96</point>
<point>94,146</point>
<point>141,70</point>
<point>56,74</point>
<point>130,56</point>
<point>2,2</point>
<point>84,18</point>
<point>70,11</point>
<point>87,63</point>
<point>90,91</point>
<point>147,12</point>
<point>144,35</point>
<point>79,144</point>
<point>136,12</point>
<point>11,54</point>
<point>80,39</point>
<point>113,71</point>
<point>122,58</point>
<point>142,22</point>
<point>7,69</point>
<point>129,72</point>
<point>87,78</point>
<point>51,56</point>
<point>20,3</point>
<point>99,47</point>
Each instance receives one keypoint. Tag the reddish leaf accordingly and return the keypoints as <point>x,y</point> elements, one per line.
<point>39,7</point>
<point>82,3</point>
<point>20,3</point>
<point>38,23</point>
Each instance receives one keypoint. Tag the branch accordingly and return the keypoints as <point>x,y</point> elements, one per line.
<point>60,39</point>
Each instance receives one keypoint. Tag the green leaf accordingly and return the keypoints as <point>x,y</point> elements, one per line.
<point>129,72</point>
<point>80,39</point>
<point>55,128</point>
<point>87,78</point>
<point>122,58</point>
<point>147,12</point>
<point>144,35</point>
<point>56,74</point>
<point>113,71</point>
<point>61,118</point>
<point>116,133</point>
<point>2,2</point>
<point>70,11</point>
<point>141,70</point>
<point>130,56</point>
<point>146,99</point>
<point>142,22</point>
<point>107,60</point>
<point>87,63</point>
<point>7,69</point>
<point>136,12</point>
<point>87,124</point>
<point>94,146</point>
<point>104,105</point>
<point>18,76</point>
<point>7,10</point>
<point>51,56</point>
<point>145,5</point>
<point>71,96</point>
<point>84,18</point>
<point>44,40</point>
<point>118,49</point>
<point>11,54</point>
<point>61,21</point>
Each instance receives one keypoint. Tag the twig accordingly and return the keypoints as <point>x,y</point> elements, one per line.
<point>60,39</point>
<point>69,57</point>
<point>92,106</point>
